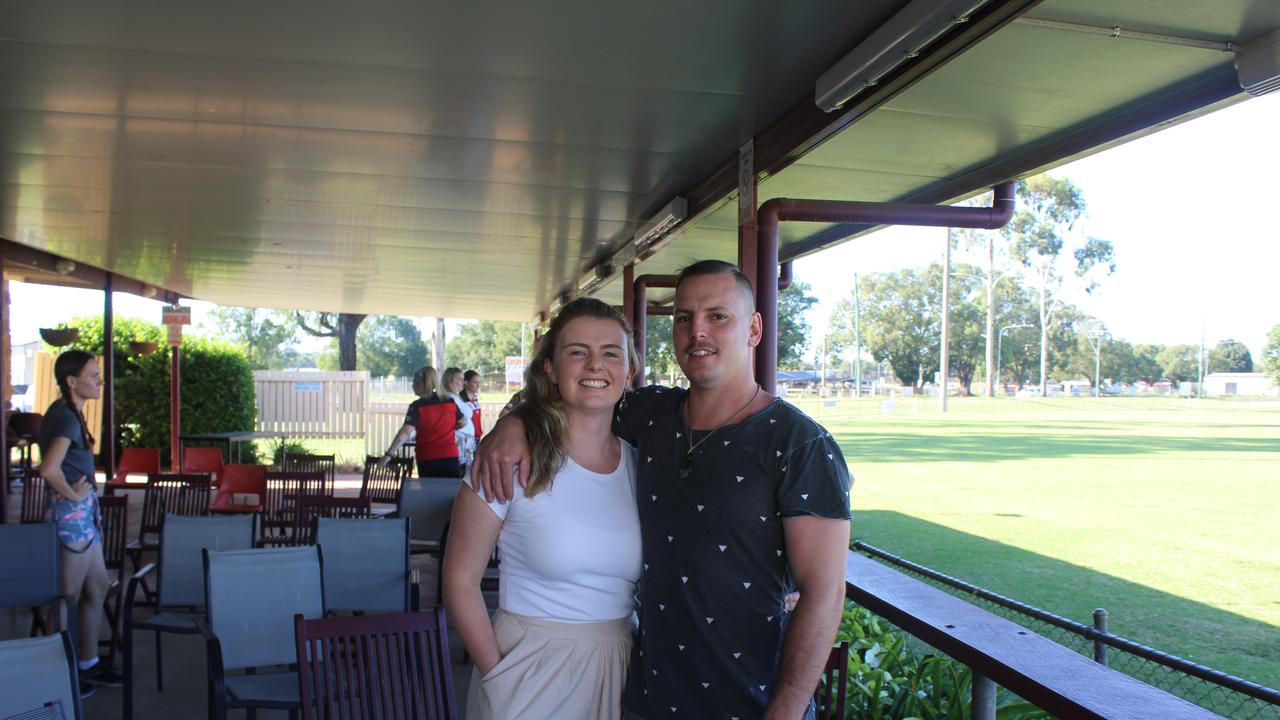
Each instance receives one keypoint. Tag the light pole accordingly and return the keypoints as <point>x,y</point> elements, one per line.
<point>1095,334</point>
<point>1000,343</point>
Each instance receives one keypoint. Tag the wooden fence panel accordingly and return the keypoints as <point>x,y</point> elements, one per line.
<point>312,404</point>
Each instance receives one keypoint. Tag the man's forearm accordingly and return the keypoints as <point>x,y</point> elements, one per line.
<point>805,649</point>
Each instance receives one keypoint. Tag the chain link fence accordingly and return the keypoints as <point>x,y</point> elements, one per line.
<point>1224,694</point>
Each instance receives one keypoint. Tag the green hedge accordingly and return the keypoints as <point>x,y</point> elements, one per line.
<point>217,384</point>
<point>894,676</point>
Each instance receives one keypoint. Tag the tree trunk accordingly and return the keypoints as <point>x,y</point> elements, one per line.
<point>439,346</point>
<point>348,325</point>
<point>991,315</point>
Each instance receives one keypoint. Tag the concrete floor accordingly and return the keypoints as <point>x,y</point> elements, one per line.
<point>185,690</point>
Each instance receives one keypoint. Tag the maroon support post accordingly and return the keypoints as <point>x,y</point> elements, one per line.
<point>640,323</point>
<point>4,391</point>
<point>175,407</point>
<point>842,211</point>
<point>108,378</point>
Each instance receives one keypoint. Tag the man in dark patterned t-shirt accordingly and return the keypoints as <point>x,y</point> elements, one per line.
<point>742,499</point>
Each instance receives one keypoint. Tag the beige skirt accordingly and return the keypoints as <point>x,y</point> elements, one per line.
<point>566,671</point>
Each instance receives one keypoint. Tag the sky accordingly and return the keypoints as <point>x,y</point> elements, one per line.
<point>1190,211</point>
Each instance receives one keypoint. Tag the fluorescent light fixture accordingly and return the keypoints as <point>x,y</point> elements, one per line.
<point>901,38</point>
<point>1258,64</point>
<point>660,224</point>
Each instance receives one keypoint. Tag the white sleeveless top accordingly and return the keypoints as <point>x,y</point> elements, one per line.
<point>572,553</point>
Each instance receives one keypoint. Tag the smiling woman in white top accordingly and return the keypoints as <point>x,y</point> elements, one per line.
<point>559,644</point>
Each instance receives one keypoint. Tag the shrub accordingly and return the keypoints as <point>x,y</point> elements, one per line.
<point>217,394</point>
<point>893,676</point>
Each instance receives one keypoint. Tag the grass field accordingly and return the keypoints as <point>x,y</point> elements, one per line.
<point>1166,512</point>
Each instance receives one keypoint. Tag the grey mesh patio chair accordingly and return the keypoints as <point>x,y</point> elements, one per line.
<point>30,577</point>
<point>180,582</point>
<point>428,503</point>
<point>252,596</point>
<point>39,679</point>
<point>366,565</point>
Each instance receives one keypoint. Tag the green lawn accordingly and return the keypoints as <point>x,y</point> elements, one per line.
<point>1164,511</point>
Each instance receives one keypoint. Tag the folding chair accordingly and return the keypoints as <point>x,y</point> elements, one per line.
<point>303,462</point>
<point>180,595</point>
<point>428,503</point>
<point>115,529</point>
<point>831,695</point>
<point>375,666</point>
<point>169,493</point>
<point>238,483</point>
<point>34,492</point>
<point>39,678</point>
<point>381,483</point>
<point>133,461</point>
<point>311,507</point>
<point>251,597</point>
<point>366,565</point>
<point>279,511</point>
<point>30,577</point>
<point>203,460</point>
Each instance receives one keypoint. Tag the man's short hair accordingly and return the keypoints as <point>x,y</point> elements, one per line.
<point>720,267</point>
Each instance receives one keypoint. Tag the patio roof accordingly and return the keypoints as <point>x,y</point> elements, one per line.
<point>477,161</point>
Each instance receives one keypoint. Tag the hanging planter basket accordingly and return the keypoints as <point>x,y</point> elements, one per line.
<point>60,337</point>
<point>142,348</point>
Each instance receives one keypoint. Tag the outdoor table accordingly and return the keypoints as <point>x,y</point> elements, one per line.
<point>232,439</point>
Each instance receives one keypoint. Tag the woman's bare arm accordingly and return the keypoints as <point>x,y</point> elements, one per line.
<point>473,533</point>
<point>51,470</point>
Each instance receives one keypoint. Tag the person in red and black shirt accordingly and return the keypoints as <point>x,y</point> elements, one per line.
<point>432,418</point>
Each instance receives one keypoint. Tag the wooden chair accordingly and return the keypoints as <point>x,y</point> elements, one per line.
<point>203,460</point>
<point>24,429</point>
<point>832,692</point>
<point>381,483</point>
<point>240,481</point>
<point>301,462</point>
<point>279,512</point>
<point>115,536</point>
<point>133,461</point>
<point>311,507</point>
<point>375,666</point>
<point>251,595</point>
<point>33,499</point>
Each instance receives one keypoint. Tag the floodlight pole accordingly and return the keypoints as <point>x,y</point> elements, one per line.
<point>857,341</point>
<point>944,364</point>
<point>1000,343</point>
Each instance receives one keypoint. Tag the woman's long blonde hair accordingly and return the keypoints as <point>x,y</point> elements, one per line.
<point>425,378</point>
<point>543,413</point>
<point>446,380</point>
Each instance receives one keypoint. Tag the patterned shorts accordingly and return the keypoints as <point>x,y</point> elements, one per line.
<point>79,522</point>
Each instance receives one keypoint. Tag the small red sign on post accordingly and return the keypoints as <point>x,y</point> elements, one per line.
<point>173,317</point>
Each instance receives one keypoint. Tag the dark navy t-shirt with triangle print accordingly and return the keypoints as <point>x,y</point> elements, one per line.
<point>715,563</point>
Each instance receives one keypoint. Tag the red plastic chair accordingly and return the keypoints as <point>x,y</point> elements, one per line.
<point>134,461</point>
<point>240,480</point>
<point>203,460</point>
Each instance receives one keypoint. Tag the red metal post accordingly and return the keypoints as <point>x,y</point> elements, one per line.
<point>108,377</point>
<point>845,211</point>
<point>175,407</point>
<point>4,390</point>
<point>640,322</point>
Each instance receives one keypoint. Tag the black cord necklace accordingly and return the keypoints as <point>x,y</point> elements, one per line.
<point>688,455</point>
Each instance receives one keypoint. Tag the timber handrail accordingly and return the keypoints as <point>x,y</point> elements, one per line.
<point>1053,677</point>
